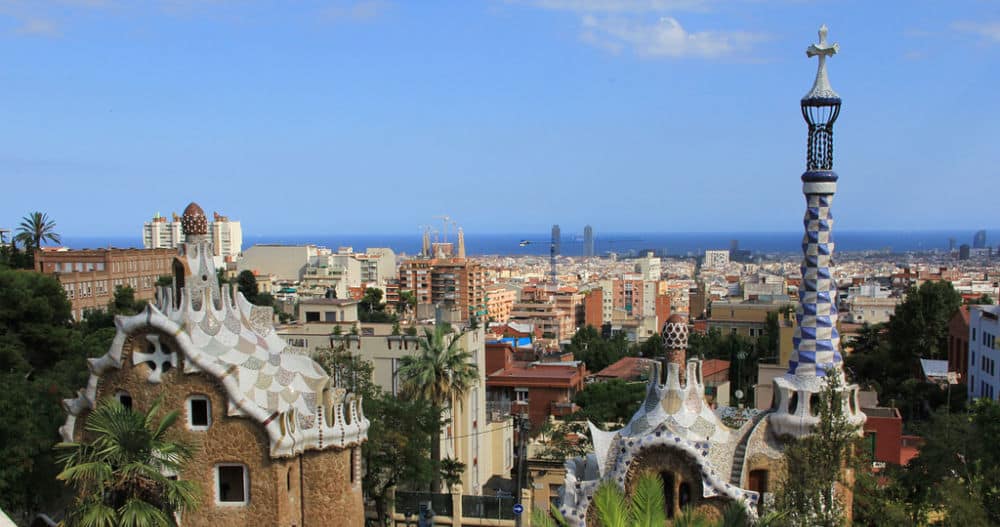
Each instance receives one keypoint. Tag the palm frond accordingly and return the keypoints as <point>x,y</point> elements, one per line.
<point>647,501</point>
<point>612,510</point>
<point>735,515</point>
<point>138,513</point>
<point>688,517</point>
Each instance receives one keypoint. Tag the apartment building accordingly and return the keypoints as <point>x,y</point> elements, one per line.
<point>226,235</point>
<point>451,283</point>
<point>984,352</point>
<point>716,259</point>
<point>90,276</point>
<point>287,263</point>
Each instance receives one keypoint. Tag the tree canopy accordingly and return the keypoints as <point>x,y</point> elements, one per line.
<point>246,283</point>
<point>596,351</point>
<point>887,357</point>
<point>613,401</point>
<point>42,361</point>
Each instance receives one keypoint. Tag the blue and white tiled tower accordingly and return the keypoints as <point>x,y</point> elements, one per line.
<point>817,343</point>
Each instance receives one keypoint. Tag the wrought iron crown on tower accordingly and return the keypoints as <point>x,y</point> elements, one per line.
<point>820,108</point>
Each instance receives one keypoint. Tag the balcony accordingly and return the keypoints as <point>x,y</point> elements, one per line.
<point>497,411</point>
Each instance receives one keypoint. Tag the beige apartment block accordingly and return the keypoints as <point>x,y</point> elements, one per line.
<point>470,437</point>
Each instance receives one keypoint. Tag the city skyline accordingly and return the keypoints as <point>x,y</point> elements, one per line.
<point>631,116</point>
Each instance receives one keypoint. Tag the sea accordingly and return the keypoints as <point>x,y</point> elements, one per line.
<point>663,243</point>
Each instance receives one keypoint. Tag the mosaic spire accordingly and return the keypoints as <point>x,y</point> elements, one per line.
<point>817,344</point>
<point>816,353</point>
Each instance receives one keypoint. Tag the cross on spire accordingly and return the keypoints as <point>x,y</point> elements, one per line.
<point>821,87</point>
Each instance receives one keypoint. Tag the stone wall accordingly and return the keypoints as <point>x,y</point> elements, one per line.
<point>331,498</point>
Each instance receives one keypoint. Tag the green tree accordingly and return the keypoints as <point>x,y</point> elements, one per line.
<point>817,461</point>
<point>958,466</point>
<point>563,440</point>
<point>35,229</point>
<point>42,361</point>
<point>651,348</point>
<point>246,283</point>
<point>919,327</point>
<point>613,401</point>
<point>983,300</point>
<point>348,371</point>
<point>397,452</point>
<point>407,302</point>
<point>372,309</point>
<point>440,372</point>
<point>597,352</point>
<point>120,477</point>
<point>124,302</point>
<point>451,472</point>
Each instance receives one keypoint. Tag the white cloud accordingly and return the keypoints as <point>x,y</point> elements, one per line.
<point>666,38</point>
<point>38,27</point>
<point>987,30</point>
<point>616,6</point>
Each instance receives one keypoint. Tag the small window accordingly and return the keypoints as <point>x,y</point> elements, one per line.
<point>199,412</point>
<point>125,398</point>
<point>232,484</point>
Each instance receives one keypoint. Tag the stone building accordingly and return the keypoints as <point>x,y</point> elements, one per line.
<point>277,443</point>
<point>702,462</point>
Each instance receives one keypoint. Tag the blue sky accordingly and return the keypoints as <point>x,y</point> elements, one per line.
<point>374,116</point>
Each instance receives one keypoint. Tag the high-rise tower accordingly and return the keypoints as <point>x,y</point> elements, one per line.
<point>817,344</point>
<point>588,241</point>
<point>979,240</point>
<point>554,250</point>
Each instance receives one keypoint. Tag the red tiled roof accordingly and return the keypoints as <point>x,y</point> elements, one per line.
<point>557,374</point>
<point>712,366</point>
<point>626,368</point>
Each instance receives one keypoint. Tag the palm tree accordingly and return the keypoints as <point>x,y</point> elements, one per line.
<point>122,477</point>
<point>440,372</point>
<point>36,228</point>
<point>645,508</point>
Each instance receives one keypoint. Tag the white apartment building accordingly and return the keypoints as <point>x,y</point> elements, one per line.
<point>226,235</point>
<point>716,259</point>
<point>984,327</point>
<point>649,267</point>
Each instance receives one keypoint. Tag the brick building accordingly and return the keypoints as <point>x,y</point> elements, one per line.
<point>958,343</point>
<point>90,276</point>
<point>540,389</point>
